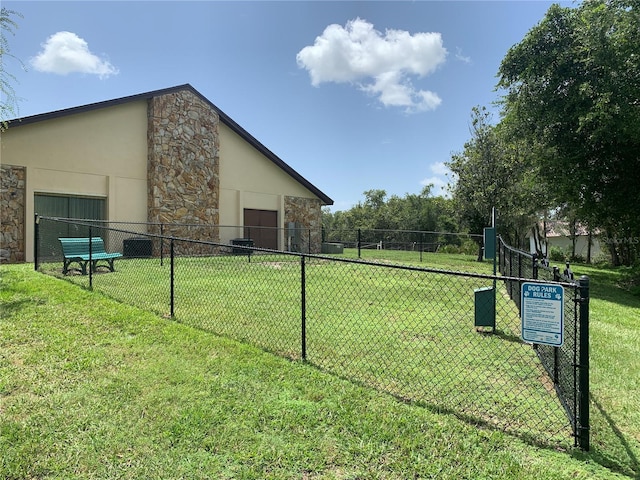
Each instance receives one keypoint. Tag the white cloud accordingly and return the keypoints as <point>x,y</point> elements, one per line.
<point>461,57</point>
<point>440,168</point>
<point>440,171</point>
<point>378,64</point>
<point>65,52</point>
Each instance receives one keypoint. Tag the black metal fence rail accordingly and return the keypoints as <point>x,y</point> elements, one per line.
<point>567,365</point>
<point>402,329</point>
<point>294,238</point>
<point>407,240</point>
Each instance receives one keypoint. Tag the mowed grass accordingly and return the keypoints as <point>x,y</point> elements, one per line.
<point>614,370</point>
<point>103,390</point>
<point>406,332</point>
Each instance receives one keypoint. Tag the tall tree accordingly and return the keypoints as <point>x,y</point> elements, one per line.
<point>573,86</point>
<point>491,172</point>
<point>413,212</point>
<point>8,98</point>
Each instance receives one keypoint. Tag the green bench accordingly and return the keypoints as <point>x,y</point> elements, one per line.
<point>76,250</point>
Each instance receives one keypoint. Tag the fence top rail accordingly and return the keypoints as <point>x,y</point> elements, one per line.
<point>379,264</point>
<point>520,252</point>
<point>92,221</point>
<point>383,230</point>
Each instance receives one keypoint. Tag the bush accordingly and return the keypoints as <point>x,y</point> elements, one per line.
<point>449,249</point>
<point>630,279</point>
<point>577,259</point>
<point>556,254</point>
<point>602,260</point>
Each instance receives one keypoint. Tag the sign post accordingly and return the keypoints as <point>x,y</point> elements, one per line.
<point>542,313</point>
<point>485,298</point>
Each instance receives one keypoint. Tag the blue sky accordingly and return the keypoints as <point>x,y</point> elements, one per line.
<point>353,95</point>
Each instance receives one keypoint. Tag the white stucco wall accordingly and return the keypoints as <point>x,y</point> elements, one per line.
<point>100,153</point>
<point>250,180</point>
<point>564,243</point>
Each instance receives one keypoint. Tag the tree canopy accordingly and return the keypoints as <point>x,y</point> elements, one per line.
<point>8,98</point>
<point>413,212</point>
<point>573,95</point>
<point>493,172</point>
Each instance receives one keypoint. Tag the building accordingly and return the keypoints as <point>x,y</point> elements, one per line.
<point>558,234</point>
<point>166,156</point>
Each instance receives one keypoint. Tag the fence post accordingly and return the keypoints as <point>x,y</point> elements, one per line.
<point>90,257</point>
<point>172,281</point>
<point>36,242</point>
<point>511,272</point>
<point>303,298</point>
<point>583,379</point>
<point>161,244</point>
<point>359,238</point>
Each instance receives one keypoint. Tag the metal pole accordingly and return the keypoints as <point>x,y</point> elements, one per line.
<point>359,242</point>
<point>161,244</point>
<point>495,260</point>
<point>36,242</point>
<point>583,416</point>
<point>90,257</point>
<point>249,238</point>
<point>172,281</point>
<point>303,297</point>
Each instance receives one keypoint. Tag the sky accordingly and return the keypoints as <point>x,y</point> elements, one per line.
<point>354,95</point>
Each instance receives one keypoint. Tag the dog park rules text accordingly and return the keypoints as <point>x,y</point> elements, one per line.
<point>542,313</point>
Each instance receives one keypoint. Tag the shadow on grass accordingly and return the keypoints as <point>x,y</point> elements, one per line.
<point>604,286</point>
<point>506,336</point>
<point>12,307</point>
<point>550,442</point>
<point>628,466</point>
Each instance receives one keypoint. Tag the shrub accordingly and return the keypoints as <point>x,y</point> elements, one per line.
<point>556,254</point>
<point>630,279</point>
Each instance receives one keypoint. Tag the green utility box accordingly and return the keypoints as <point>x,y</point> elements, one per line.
<point>332,247</point>
<point>485,307</point>
<point>489,243</point>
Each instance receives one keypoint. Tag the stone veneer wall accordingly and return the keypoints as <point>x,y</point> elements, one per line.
<point>183,164</point>
<point>308,212</point>
<point>12,208</point>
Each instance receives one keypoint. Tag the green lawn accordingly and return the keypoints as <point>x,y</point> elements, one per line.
<point>91,388</point>
<point>405,332</point>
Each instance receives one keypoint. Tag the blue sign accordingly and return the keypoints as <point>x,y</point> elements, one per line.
<point>542,313</point>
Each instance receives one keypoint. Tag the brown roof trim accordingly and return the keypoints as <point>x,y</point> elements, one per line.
<point>157,93</point>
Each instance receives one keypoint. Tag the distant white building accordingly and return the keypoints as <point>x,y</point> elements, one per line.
<point>558,234</point>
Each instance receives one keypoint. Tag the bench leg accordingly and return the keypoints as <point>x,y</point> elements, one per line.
<point>67,263</point>
<point>94,265</point>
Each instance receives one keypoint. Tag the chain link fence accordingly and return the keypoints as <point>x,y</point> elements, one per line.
<point>568,364</point>
<point>370,243</point>
<point>405,330</point>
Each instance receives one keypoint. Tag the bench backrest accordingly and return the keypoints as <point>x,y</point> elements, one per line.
<point>80,246</point>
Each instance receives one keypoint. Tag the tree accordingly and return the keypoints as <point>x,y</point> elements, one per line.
<point>8,100</point>
<point>493,172</point>
<point>573,88</point>
<point>413,212</point>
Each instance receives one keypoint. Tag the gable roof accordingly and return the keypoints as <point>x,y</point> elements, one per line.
<point>224,118</point>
